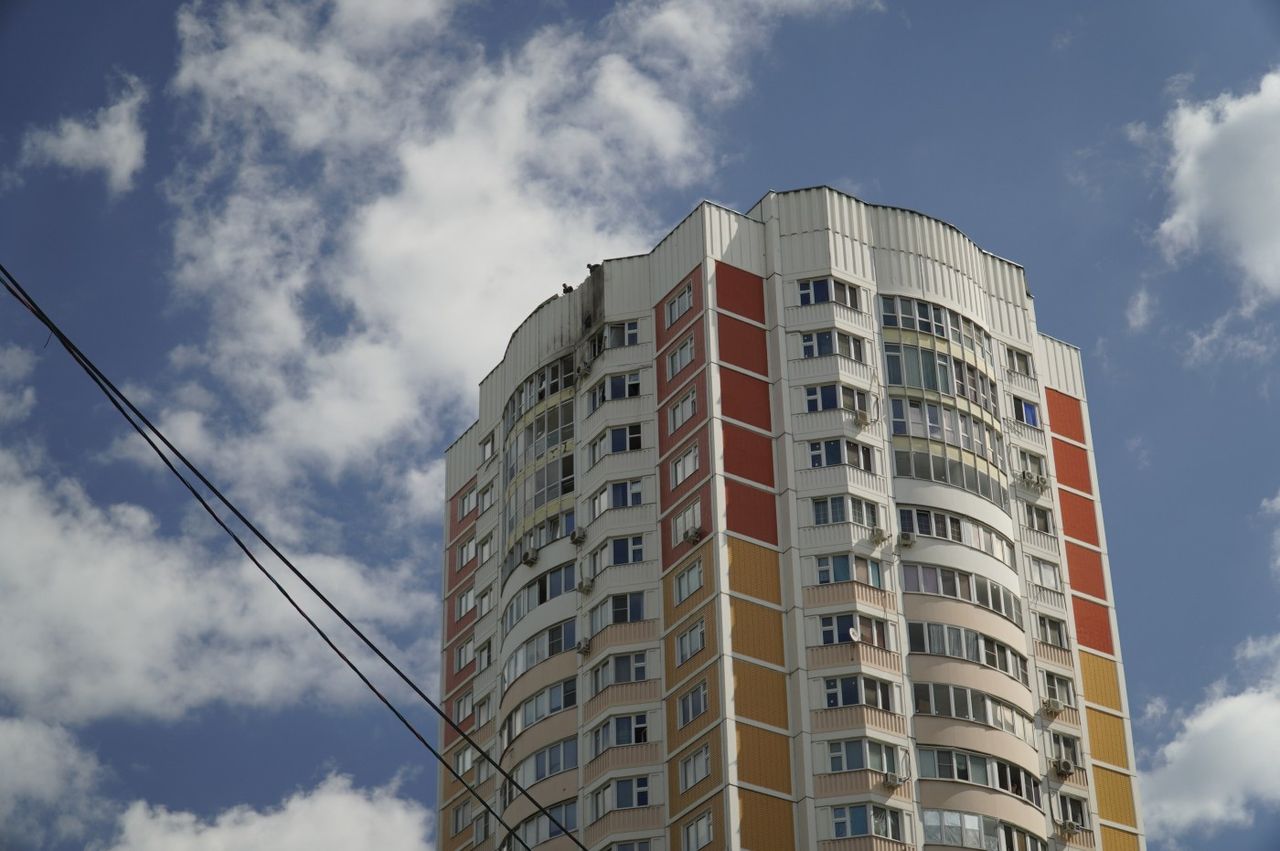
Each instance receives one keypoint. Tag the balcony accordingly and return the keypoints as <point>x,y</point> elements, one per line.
<point>624,821</point>
<point>1082,838</point>
<point>1023,432</point>
<point>830,422</point>
<point>836,535</point>
<point>836,593</point>
<point>618,412</point>
<point>827,314</point>
<point>1046,542</point>
<point>1049,597</point>
<point>1024,383</point>
<point>842,783</point>
<point>620,634</point>
<point>1056,655</point>
<point>838,477</point>
<point>622,694</point>
<point>858,717</point>
<point>831,368</point>
<point>622,757</point>
<point>852,653</point>
<point>863,843</point>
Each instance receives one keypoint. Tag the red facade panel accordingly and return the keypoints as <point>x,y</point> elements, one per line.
<point>668,495</point>
<point>739,291</point>
<point>662,365</point>
<point>748,454</point>
<point>742,344</point>
<point>1084,570</point>
<point>665,334</point>
<point>668,438</point>
<point>1079,517</point>
<point>745,399</point>
<point>454,627</point>
<point>672,549</point>
<point>1072,464</point>
<point>456,524</point>
<point>1065,415</point>
<point>750,511</point>
<point>1093,625</point>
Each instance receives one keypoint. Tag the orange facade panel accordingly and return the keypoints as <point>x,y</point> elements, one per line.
<point>1107,739</point>
<point>739,291</point>
<point>753,570</point>
<point>1084,571</point>
<point>1079,517</point>
<point>759,693</point>
<point>748,454</point>
<point>743,344</point>
<point>764,758</point>
<point>766,822</point>
<point>745,399</point>
<point>750,511</point>
<point>1115,796</point>
<point>1072,465</point>
<point>756,631</point>
<point>1093,624</point>
<point>1066,416</point>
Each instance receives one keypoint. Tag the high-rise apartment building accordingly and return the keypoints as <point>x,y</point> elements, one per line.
<point>786,535</point>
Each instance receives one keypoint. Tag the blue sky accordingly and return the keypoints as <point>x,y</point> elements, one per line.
<point>299,233</point>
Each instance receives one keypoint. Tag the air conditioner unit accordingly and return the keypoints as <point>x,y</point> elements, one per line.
<point>1064,767</point>
<point>586,584</point>
<point>529,557</point>
<point>584,368</point>
<point>693,535</point>
<point>893,780</point>
<point>1028,476</point>
<point>584,646</point>
<point>1068,828</point>
<point>906,539</point>
<point>1042,481</point>
<point>879,536</point>
<point>861,418</point>
<point>578,536</point>
<point>1051,706</point>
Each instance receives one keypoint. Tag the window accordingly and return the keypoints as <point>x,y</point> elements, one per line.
<point>972,705</point>
<point>832,509</point>
<point>1046,573</point>
<point>1030,462</point>
<point>551,760</point>
<point>467,551</point>
<point>838,629</point>
<point>688,581</point>
<point>636,845</point>
<point>624,668</point>
<point>620,730</point>
<point>941,639</point>
<point>483,712</point>
<point>617,439</point>
<point>693,703</point>
<point>555,639</point>
<point>823,343</point>
<point>859,754</point>
<point>550,585</point>
<point>625,494</point>
<point>853,690</point>
<point>697,833</point>
<point>866,819</point>
<point>1026,412</point>
<point>830,453</point>
<point>1038,518</point>
<point>695,767</point>
<point>958,528</point>
<point>465,602</point>
<point>627,550</point>
<point>1071,808</point>
<point>484,602</point>
<point>682,411</point>
<point>681,357</point>
<point>970,830</point>
<point>844,567</point>
<point>1052,631</point>
<point>927,579</point>
<point>556,697</point>
<point>686,521</point>
<point>485,550</point>
<point>825,397</point>
<point>612,387</point>
<point>484,656</point>
<point>480,828</point>
<point>1065,747</point>
<point>619,608</point>
<point>680,305</point>
<point>690,642</point>
<point>1019,361</point>
<point>467,504</point>
<point>623,794</point>
<point>619,334</point>
<point>462,707</point>
<point>1057,687</point>
<point>821,290</point>
<point>684,466</point>
<point>464,655</point>
<point>461,817</point>
<point>487,447</point>
<point>539,828</point>
<point>486,499</point>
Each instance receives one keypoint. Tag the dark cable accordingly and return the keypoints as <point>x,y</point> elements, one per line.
<point>112,392</point>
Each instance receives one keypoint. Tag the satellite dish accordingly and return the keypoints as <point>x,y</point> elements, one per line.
<point>853,634</point>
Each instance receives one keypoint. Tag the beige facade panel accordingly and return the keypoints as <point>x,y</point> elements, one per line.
<point>753,571</point>
<point>671,611</point>
<point>764,758</point>
<point>756,631</point>
<point>1101,680</point>
<point>1107,739</point>
<point>680,800</point>
<point>714,807</point>
<point>677,735</point>
<point>766,823</point>
<point>1115,796</point>
<point>760,693</point>
<point>677,672</point>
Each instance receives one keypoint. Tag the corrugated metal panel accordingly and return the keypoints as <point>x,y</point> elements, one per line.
<point>760,693</point>
<point>1060,366</point>
<point>753,570</point>
<point>461,460</point>
<point>764,758</point>
<point>735,239</point>
<point>1115,796</point>
<point>626,287</point>
<point>683,249</point>
<point>1101,683</point>
<point>767,823</point>
<point>1107,739</point>
<point>756,631</point>
<point>1115,839</point>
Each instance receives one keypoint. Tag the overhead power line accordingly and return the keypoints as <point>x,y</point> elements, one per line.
<point>142,425</point>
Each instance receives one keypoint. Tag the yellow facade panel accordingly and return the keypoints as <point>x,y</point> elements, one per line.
<point>764,758</point>
<point>756,631</point>
<point>753,570</point>
<point>679,801</point>
<point>760,693</point>
<point>1107,739</point>
<point>766,823</point>
<point>1115,796</point>
<point>1114,839</point>
<point>1101,680</point>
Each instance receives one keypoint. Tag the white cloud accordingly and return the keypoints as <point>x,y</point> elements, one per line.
<point>1224,182</point>
<point>106,616</point>
<point>1139,451</point>
<point>1271,507</point>
<point>16,401</point>
<point>111,140</point>
<point>1140,310</point>
<point>46,787</point>
<point>335,816</point>
<point>425,491</point>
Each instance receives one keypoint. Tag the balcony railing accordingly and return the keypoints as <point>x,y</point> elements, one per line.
<point>1025,383</point>
<point>862,843</point>
<point>1043,541</point>
<point>1049,597</point>
<point>622,694</point>
<point>831,368</point>
<point>620,757</point>
<point>838,476</point>
<point>1024,432</point>
<point>828,313</point>
<point>848,592</point>
<point>1050,653</point>
<point>861,782</point>
<point>851,717</point>
<point>853,653</point>
<point>623,821</point>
